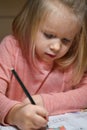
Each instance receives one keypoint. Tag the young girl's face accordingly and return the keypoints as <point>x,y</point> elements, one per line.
<point>55,37</point>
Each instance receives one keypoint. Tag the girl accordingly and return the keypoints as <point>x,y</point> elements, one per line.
<point>48,49</point>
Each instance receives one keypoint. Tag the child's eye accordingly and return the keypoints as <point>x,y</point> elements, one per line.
<point>65,41</point>
<point>49,36</point>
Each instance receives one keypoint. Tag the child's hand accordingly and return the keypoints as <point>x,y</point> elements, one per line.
<point>27,117</point>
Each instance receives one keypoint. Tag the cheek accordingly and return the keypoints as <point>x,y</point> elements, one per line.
<point>39,48</point>
<point>40,45</point>
<point>64,50</point>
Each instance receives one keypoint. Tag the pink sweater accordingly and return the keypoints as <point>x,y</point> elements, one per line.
<point>54,86</point>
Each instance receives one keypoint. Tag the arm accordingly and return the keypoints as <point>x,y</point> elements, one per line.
<point>5,105</point>
<point>6,62</point>
<point>27,116</point>
<point>62,102</point>
<point>13,112</point>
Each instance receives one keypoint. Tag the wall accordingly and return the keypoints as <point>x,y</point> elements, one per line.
<point>8,10</point>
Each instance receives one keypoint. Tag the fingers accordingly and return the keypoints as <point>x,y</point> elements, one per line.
<point>34,116</point>
<point>41,122</point>
<point>43,113</point>
<point>28,116</point>
<point>38,116</point>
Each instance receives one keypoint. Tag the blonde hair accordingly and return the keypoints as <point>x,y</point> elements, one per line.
<point>77,54</point>
<point>34,13</point>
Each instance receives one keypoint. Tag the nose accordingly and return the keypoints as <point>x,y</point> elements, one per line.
<point>55,46</point>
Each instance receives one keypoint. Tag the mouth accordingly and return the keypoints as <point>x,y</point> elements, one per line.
<point>50,55</point>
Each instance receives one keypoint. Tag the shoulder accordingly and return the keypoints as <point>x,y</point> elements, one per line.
<point>9,45</point>
<point>8,49</point>
<point>9,42</point>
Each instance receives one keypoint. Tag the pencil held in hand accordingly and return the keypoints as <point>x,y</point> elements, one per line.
<point>23,86</point>
<point>24,89</point>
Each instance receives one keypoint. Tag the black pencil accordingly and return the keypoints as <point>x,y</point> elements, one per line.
<point>25,90</point>
<point>23,87</point>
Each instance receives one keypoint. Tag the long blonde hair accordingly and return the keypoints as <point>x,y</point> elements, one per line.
<point>34,13</point>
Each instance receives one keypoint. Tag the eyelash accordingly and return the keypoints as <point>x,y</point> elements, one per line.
<point>49,36</point>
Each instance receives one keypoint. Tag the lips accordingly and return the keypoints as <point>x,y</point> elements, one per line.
<point>50,55</point>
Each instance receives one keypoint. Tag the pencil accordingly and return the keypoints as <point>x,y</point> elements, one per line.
<point>23,87</point>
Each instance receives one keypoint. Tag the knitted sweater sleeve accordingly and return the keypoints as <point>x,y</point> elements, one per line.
<point>6,63</point>
<point>68,101</point>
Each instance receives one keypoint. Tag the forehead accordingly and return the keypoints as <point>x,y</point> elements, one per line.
<point>61,19</point>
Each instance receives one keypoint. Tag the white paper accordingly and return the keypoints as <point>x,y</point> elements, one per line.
<point>70,121</point>
<point>7,128</point>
